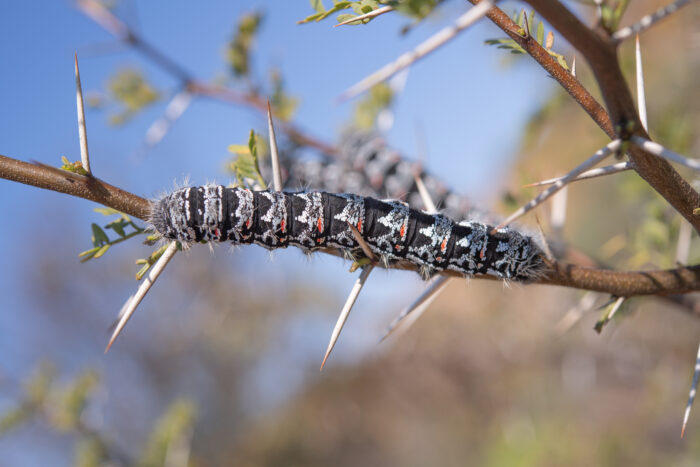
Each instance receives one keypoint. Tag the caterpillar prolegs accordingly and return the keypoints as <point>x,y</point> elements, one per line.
<point>313,220</point>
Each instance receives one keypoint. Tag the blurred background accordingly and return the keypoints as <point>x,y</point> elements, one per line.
<point>219,366</point>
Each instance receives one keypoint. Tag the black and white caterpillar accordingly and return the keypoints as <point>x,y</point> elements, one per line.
<point>313,220</point>
<point>367,166</point>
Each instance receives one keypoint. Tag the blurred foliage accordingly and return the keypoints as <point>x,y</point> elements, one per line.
<point>378,99</point>
<point>171,433</point>
<point>611,12</point>
<point>132,92</point>
<point>245,165</point>
<point>283,105</point>
<point>62,408</point>
<point>528,25</point>
<point>238,52</point>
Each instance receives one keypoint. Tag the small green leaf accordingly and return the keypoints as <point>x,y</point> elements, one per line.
<point>318,6</point>
<point>110,212</point>
<point>99,237</point>
<point>540,32</point>
<point>238,149</point>
<point>101,251</point>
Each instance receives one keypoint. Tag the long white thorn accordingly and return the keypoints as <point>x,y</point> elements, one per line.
<point>683,246</point>
<point>693,392</point>
<point>363,244</point>
<point>593,173</point>
<point>274,154</point>
<point>354,293</point>
<point>649,20</point>
<point>173,111</point>
<point>590,162</point>
<point>414,311</point>
<point>142,291</point>
<point>641,97</point>
<point>440,38</point>
<point>660,151</point>
<point>82,128</point>
<point>371,14</point>
<point>575,313</point>
<point>425,196</point>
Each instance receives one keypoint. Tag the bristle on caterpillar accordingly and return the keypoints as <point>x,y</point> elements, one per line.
<point>313,220</point>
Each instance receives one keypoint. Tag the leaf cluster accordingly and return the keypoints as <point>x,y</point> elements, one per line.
<point>528,24</point>
<point>245,165</point>
<point>378,99</point>
<point>130,89</point>
<point>101,241</point>
<point>62,406</point>
<point>238,51</point>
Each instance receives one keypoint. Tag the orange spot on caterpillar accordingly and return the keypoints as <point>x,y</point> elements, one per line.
<point>443,246</point>
<point>247,224</point>
<point>402,232</point>
<point>319,224</point>
<point>359,226</point>
<point>283,225</point>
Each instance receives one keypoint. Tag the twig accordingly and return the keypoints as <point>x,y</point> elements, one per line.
<point>274,155</point>
<point>660,151</point>
<point>173,111</point>
<point>423,49</point>
<point>591,161</point>
<point>416,309</point>
<point>143,290</point>
<point>641,97</point>
<point>82,129</point>
<point>354,293</point>
<point>565,79</point>
<point>593,173</point>
<point>693,392</point>
<point>121,31</point>
<point>649,20</point>
<point>371,14</point>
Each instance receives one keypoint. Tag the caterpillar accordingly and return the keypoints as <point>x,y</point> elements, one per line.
<point>367,166</point>
<point>314,220</point>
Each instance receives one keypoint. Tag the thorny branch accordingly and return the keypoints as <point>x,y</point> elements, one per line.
<point>567,80</point>
<point>600,50</point>
<point>618,283</point>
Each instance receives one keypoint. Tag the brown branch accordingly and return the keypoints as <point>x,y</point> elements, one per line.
<point>558,72</point>
<point>600,50</point>
<point>619,283</point>
<point>87,187</point>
